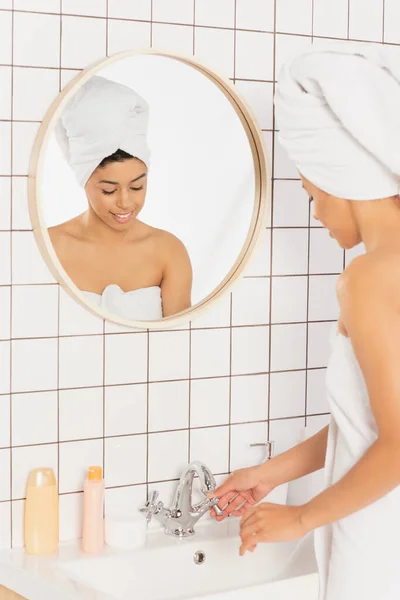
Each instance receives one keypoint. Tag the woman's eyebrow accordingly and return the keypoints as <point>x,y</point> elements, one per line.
<point>140,177</point>
<point>116,182</point>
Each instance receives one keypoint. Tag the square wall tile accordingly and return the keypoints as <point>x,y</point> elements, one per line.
<point>5,525</point>
<point>34,311</point>
<point>5,312</point>
<point>91,8</point>
<point>259,96</point>
<point>289,299</point>
<point>392,20</point>
<point>164,364</point>
<point>4,475</point>
<point>283,166</point>
<point>294,16</point>
<point>250,350</point>
<point>36,40</point>
<point>5,92</point>
<point>71,516</point>
<point>168,455</point>
<point>173,11</point>
<point>211,446</point>
<point>125,460</point>
<point>215,47</point>
<point>316,423</point>
<point>259,264</point>
<point>47,6</point>
<point>68,75</point>
<point>291,206</point>
<point>6,4</point>
<point>17,524</point>
<point>290,251</point>
<point>209,402</point>
<point>215,14</point>
<point>81,414</point>
<point>323,303</point>
<point>5,147</point>
<point>173,38</point>
<point>331,18</point>
<point>5,195</point>
<point>286,433</point>
<point>210,353</point>
<point>249,398</point>
<point>28,266</point>
<point>288,394</point>
<point>81,361</point>
<point>250,302</point>
<point>242,455</point>
<point>219,315</point>
<point>126,358</point>
<point>20,211</point>
<point>27,458</point>
<point>288,347</point>
<point>76,52</point>
<point>5,438</point>
<point>253,14</point>
<point>124,502</point>
<point>126,409</point>
<point>326,256</point>
<point>254,55</point>
<point>76,319</point>
<point>75,458</point>
<point>287,47</point>
<point>5,372</point>
<point>168,405</point>
<point>367,24</point>
<point>6,37</point>
<point>127,35</point>
<point>319,348</point>
<point>317,394</point>
<point>34,91</point>
<point>34,365</point>
<point>134,9</point>
<point>23,138</point>
<point>39,409</point>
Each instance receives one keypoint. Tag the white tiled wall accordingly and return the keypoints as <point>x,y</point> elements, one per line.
<point>75,390</point>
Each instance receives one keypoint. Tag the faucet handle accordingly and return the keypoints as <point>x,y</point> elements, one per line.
<point>154,497</point>
<point>152,507</point>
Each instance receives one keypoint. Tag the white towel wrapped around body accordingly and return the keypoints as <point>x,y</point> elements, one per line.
<point>101,118</point>
<point>338,115</point>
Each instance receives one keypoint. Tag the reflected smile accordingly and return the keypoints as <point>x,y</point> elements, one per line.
<point>123,217</point>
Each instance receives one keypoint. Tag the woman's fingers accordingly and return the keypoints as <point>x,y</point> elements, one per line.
<point>249,542</point>
<point>248,514</point>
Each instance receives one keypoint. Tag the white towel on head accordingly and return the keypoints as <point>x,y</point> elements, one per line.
<point>338,115</point>
<point>102,117</point>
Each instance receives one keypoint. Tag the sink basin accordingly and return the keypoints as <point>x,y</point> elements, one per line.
<point>166,569</point>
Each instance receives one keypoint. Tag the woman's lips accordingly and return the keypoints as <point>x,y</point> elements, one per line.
<point>123,217</point>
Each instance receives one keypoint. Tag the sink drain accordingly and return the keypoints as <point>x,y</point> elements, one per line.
<point>199,557</point>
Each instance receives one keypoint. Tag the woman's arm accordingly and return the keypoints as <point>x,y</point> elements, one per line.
<point>369,295</point>
<point>305,458</point>
<point>176,285</point>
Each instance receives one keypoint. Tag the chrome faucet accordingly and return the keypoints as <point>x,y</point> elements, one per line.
<point>183,516</point>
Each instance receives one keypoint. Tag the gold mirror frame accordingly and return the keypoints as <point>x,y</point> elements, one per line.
<point>261,200</point>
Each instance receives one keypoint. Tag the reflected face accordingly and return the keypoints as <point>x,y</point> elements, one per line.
<point>116,192</point>
<point>335,214</point>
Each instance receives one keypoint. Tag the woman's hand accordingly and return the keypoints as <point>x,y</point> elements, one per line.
<point>241,490</point>
<point>271,523</point>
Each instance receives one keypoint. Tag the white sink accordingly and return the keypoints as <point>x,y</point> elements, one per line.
<point>165,569</point>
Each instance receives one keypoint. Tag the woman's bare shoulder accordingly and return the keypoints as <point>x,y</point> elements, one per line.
<point>377,271</point>
<point>67,231</point>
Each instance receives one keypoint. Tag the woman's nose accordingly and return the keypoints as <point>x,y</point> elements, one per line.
<point>123,199</point>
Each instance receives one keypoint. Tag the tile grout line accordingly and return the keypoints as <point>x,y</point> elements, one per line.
<point>271,208</point>
<point>147,414</point>
<point>11,271</point>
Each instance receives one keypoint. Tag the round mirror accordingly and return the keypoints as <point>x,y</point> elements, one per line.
<point>148,188</point>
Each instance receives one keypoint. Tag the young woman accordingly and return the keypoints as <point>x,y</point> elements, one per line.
<point>122,264</point>
<point>338,113</point>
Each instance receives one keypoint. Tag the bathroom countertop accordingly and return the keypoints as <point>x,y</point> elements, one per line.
<point>6,594</point>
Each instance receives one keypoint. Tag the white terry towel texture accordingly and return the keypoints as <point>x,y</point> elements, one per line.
<point>102,117</point>
<point>338,115</point>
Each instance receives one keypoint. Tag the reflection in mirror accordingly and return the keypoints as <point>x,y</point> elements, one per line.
<point>148,187</point>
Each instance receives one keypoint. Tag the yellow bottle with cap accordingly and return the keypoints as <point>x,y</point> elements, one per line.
<point>93,508</point>
<point>41,512</point>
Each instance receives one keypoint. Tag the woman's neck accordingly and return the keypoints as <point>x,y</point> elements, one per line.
<point>99,230</point>
<point>378,222</point>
